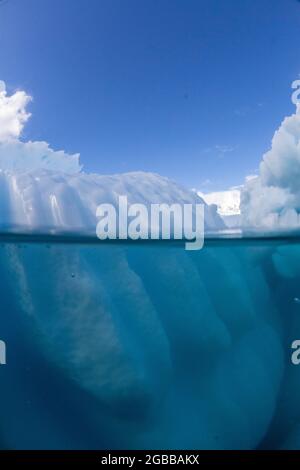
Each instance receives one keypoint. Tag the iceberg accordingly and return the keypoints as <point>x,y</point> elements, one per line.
<point>228,205</point>
<point>147,351</point>
<point>134,346</point>
<point>272,199</point>
<point>40,198</point>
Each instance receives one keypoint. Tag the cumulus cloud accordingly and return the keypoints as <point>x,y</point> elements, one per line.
<point>18,155</point>
<point>13,114</point>
<point>273,198</point>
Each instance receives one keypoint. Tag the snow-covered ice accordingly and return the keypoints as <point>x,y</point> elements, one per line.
<point>43,199</point>
<point>272,200</point>
<point>228,205</point>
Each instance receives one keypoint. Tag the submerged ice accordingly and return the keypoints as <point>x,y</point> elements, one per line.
<point>148,343</point>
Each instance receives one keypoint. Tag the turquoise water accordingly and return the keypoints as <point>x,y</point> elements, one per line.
<point>146,345</point>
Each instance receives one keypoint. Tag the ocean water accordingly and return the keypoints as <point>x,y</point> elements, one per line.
<point>149,346</point>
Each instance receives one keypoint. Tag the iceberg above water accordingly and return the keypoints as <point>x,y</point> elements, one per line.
<point>272,199</point>
<point>228,205</point>
<point>41,198</point>
<point>43,188</point>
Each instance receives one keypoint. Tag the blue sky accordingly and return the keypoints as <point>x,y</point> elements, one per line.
<point>191,89</point>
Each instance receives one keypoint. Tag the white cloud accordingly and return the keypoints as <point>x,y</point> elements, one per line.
<point>250,178</point>
<point>17,155</point>
<point>225,148</point>
<point>220,149</point>
<point>13,114</point>
<point>205,183</point>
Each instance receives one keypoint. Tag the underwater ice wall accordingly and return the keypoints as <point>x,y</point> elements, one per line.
<point>148,345</point>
